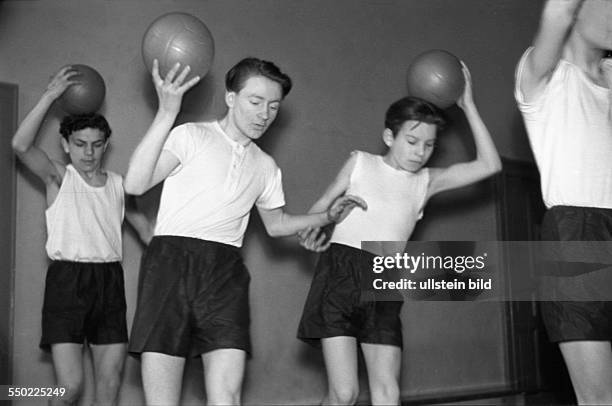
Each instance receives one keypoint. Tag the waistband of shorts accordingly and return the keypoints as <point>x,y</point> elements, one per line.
<point>67,262</point>
<point>583,209</point>
<point>347,249</point>
<point>190,243</point>
<point>79,266</point>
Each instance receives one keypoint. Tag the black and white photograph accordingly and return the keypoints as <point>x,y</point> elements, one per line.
<point>305,202</point>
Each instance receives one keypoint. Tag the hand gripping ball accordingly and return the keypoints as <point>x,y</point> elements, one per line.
<point>437,77</point>
<point>178,37</point>
<point>87,94</point>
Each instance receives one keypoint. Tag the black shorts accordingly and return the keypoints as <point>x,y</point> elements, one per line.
<point>336,305</point>
<point>84,300</point>
<point>586,319</point>
<point>193,297</point>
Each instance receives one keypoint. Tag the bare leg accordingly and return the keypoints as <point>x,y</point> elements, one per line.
<point>108,365</point>
<point>340,355</point>
<point>162,377</point>
<point>383,363</point>
<point>223,374</point>
<point>68,366</point>
<point>590,368</point>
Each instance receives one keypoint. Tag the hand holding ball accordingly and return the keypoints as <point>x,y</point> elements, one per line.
<point>437,77</point>
<point>178,37</point>
<point>87,94</point>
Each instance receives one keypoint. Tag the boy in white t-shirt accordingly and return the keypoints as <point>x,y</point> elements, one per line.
<point>193,299</point>
<point>563,92</point>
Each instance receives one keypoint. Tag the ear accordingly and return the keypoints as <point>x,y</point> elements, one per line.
<point>106,144</point>
<point>65,145</point>
<point>230,98</point>
<point>388,137</point>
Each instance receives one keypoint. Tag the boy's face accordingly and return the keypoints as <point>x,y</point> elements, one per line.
<point>412,146</point>
<point>86,148</point>
<point>253,109</point>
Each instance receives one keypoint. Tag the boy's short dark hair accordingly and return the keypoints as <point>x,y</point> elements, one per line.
<point>413,108</point>
<point>248,67</point>
<point>76,122</point>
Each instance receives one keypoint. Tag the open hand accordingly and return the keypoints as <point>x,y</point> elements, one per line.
<point>342,206</point>
<point>170,90</point>
<point>467,98</point>
<point>61,81</point>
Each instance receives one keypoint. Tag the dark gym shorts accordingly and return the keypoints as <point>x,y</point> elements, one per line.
<point>586,319</point>
<point>84,300</point>
<point>336,306</point>
<point>193,297</point>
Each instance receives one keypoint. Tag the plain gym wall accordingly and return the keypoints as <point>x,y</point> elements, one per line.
<point>347,59</point>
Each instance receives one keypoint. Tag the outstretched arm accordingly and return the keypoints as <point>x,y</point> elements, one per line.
<point>149,164</point>
<point>555,25</point>
<point>487,160</point>
<point>278,223</point>
<point>23,141</point>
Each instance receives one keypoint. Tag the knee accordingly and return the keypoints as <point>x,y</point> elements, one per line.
<point>73,392</point>
<point>228,395</point>
<point>109,383</point>
<point>385,393</point>
<point>343,395</point>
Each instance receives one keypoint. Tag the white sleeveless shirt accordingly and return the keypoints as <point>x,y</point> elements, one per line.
<point>395,201</point>
<point>84,221</point>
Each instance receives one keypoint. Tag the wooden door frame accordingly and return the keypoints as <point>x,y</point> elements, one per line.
<point>6,365</point>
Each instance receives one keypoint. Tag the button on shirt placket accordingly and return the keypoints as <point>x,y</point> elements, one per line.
<point>235,170</point>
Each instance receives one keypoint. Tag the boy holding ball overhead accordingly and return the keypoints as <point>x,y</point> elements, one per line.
<point>564,90</point>
<point>397,186</point>
<point>193,296</point>
<point>84,297</point>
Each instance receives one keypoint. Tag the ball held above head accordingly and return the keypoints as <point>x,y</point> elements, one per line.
<point>178,37</point>
<point>87,94</point>
<point>437,77</point>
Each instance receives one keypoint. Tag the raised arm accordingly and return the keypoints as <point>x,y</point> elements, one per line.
<point>23,141</point>
<point>149,164</point>
<point>556,22</point>
<point>487,160</point>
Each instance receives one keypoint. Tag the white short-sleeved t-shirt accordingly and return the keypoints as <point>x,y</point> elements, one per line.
<point>395,201</point>
<point>570,132</point>
<point>210,194</point>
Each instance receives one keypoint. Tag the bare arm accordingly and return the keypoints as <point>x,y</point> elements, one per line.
<point>278,223</point>
<point>487,160</point>
<point>555,25</point>
<point>317,239</point>
<point>150,165</point>
<point>141,224</point>
<point>33,157</point>
<point>337,188</point>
